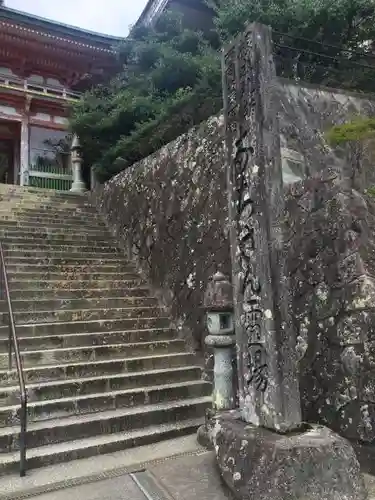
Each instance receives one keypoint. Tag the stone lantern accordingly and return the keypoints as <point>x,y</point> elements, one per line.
<point>78,185</point>
<point>218,303</point>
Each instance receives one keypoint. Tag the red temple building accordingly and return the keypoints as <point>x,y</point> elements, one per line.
<point>44,67</point>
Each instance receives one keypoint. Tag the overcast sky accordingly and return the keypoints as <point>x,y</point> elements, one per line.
<point>112,17</point>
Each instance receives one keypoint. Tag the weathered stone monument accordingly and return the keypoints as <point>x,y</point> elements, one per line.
<point>264,451</point>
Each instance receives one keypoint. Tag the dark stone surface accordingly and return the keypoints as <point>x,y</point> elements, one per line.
<point>257,464</point>
<point>331,265</point>
<point>169,214</point>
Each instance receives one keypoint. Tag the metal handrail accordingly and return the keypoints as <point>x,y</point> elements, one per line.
<point>13,340</point>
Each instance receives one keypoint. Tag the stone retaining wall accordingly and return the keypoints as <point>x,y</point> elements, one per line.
<point>169,212</point>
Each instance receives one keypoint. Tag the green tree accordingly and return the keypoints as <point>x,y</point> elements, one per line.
<point>170,81</point>
<point>319,35</point>
<point>356,140</point>
<point>346,23</point>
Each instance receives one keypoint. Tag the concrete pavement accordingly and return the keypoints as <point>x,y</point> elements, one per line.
<point>178,469</point>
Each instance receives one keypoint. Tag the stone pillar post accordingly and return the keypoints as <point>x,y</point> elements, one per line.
<point>78,185</point>
<point>25,146</point>
<point>263,451</point>
<point>267,366</point>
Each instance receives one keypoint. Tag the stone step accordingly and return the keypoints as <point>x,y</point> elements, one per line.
<point>113,400</point>
<point>36,202</point>
<point>74,283</point>
<point>82,369</point>
<point>24,191</point>
<point>62,226</point>
<point>69,315</point>
<point>27,230</point>
<point>96,353</point>
<point>44,209</point>
<point>106,422</point>
<point>89,266</point>
<point>36,198</point>
<point>87,326</point>
<point>68,256</point>
<point>61,196</point>
<point>80,303</point>
<point>45,391</point>
<point>40,208</point>
<point>33,294</point>
<point>17,236</point>
<point>89,339</point>
<point>98,445</point>
<point>71,220</point>
<point>70,273</point>
<point>53,260</point>
<point>59,247</point>
<point>38,240</point>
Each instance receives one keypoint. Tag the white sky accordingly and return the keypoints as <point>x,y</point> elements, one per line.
<point>112,17</point>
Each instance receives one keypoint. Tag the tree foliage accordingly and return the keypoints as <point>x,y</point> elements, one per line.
<point>359,129</point>
<point>314,39</point>
<point>170,81</point>
<point>346,23</point>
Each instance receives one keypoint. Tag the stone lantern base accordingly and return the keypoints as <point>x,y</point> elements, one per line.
<point>258,464</point>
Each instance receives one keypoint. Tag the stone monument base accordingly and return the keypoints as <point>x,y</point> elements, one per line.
<point>258,464</point>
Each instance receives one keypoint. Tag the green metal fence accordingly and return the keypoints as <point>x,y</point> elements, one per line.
<point>50,175</point>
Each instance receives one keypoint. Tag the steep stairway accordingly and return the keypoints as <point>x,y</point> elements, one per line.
<point>104,368</point>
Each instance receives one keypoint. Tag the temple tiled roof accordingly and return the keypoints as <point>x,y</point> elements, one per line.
<point>54,30</point>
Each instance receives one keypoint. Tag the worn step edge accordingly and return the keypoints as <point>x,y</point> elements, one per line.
<point>51,210</point>
<point>73,310</point>
<point>71,340</point>
<point>55,323</point>
<point>18,304</point>
<point>93,249</point>
<point>6,225</point>
<point>65,422</point>
<point>54,291</point>
<point>89,334</point>
<point>100,268</point>
<point>126,298</point>
<point>85,397</point>
<point>138,278</point>
<point>18,275</point>
<point>97,445</point>
<point>65,254</point>
<point>135,282</point>
<point>117,376</point>
<point>95,347</point>
<point>85,334</point>
<point>45,229</point>
<point>84,274</point>
<point>124,360</point>
<point>28,260</point>
<point>96,243</point>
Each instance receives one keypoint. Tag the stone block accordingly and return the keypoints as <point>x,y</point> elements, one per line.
<point>314,464</point>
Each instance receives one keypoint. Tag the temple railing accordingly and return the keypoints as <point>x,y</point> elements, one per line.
<point>12,82</point>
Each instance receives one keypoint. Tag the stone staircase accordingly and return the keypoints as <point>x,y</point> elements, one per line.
<point>104,368</point>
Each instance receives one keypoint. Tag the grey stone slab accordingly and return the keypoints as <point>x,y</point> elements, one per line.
<point>119,488</point>
<point>191,478</point>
